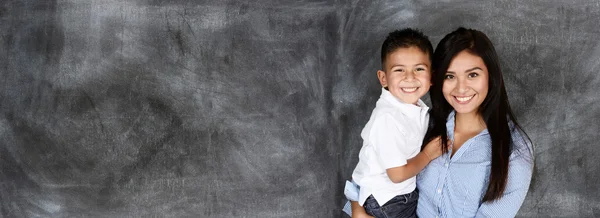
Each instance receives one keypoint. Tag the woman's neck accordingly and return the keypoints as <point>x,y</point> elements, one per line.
<point>469,123</point>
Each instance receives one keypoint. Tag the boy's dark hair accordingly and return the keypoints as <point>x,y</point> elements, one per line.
<point>405,38</point>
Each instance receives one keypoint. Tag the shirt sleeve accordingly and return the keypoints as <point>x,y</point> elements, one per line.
<point>519,177</point>
<point>388,141</point>
<point>351,190</point>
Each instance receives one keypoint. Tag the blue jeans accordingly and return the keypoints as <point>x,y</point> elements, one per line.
<point>399,206</point>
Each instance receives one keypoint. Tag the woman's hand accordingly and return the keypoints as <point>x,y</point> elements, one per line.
<point>433,149</point>
<point>361,214</point>
<point>364,215</point>
<point>359,211</point>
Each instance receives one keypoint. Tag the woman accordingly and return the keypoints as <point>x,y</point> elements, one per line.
<point>487,163</point>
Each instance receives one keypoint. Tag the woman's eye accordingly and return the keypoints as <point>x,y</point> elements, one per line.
<point>420,69</point>
<point>449,76</point>
<point>471,75</point>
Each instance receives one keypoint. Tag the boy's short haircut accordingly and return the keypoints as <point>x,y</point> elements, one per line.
<point>405,38</point>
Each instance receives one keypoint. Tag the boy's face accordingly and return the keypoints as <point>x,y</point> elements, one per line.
<point>407,74</point>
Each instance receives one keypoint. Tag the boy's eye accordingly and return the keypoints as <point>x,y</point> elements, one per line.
<point>420,69</point>
<point>471,75</point>
<point>448,76</point>
<point>399,70</point>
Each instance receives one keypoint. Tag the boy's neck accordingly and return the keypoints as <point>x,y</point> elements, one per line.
<point>469,123</point>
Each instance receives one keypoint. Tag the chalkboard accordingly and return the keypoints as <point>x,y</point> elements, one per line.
<point>254,108</point>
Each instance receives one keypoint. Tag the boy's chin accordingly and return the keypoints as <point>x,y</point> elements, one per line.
<point>410,99</point>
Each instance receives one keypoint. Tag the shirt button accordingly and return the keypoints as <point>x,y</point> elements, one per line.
<point>439,191</point>
<point>446,164</point>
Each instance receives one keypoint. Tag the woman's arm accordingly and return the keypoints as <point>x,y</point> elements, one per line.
<point>520,170</point>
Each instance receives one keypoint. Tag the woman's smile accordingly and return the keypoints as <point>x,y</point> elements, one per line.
<point>464,99</point>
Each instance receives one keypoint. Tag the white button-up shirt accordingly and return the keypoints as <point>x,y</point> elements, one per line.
<point>393,135</point>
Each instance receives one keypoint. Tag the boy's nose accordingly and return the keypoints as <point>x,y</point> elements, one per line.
<point>410,75</point>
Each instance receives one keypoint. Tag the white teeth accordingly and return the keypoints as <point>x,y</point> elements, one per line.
<point>463,99</point>
<point>409,89</point>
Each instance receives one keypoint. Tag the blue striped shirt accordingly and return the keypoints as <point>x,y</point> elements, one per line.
<point>454,187</point>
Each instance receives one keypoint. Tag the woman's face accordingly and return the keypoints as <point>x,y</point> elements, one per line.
<point>466,83</point>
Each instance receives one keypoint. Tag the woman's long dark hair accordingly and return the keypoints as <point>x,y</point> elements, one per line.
<point>495,109</point>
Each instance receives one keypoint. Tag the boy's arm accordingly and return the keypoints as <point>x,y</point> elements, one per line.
<point>416,164</point>
<point>388,141</point>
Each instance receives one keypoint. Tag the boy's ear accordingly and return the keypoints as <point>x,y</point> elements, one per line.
<point>382,79</point>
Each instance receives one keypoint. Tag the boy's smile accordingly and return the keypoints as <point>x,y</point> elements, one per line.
<point>409,90</point>
<point>407,74</point>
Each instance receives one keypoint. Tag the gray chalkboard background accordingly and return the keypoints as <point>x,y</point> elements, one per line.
<point>218,108</point>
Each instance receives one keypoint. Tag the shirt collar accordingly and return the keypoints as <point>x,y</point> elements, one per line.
<point>405,107</point>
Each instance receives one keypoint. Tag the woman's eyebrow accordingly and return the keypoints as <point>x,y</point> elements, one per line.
<point>466,71</point>
<point>474,68</point>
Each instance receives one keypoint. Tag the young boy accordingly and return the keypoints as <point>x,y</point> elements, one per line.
<point>390,159</point>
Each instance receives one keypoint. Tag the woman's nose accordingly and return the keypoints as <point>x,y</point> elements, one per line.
<point>462,86</point>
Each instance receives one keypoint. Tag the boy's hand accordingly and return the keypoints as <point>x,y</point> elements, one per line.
<point>433,149</point>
